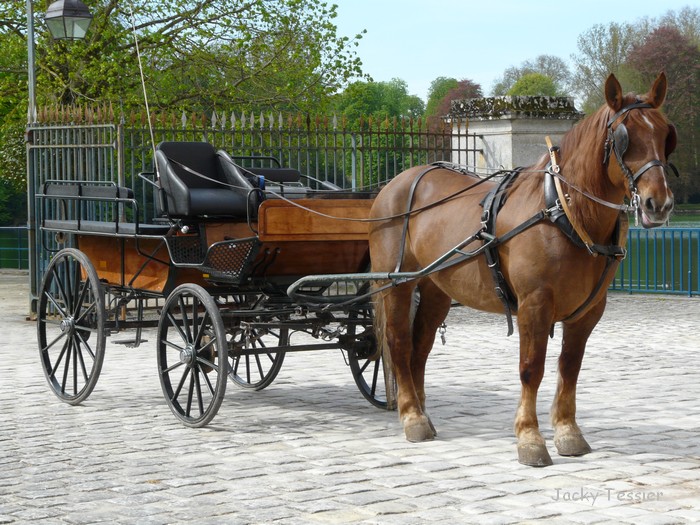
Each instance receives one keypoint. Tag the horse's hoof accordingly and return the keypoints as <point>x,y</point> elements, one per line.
<point>419,430</point>
<point>534,455</point>
<point>571,445</point>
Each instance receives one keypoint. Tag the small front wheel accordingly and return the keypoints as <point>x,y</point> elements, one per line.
<point>192,355</point>
<point>70,326</point>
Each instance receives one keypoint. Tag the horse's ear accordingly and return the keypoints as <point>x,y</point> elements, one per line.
<point>613,93</point>
<point>657,95</point>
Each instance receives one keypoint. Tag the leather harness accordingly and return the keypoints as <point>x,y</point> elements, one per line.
<point>491,204</point>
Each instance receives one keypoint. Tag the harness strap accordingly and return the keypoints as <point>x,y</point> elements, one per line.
<point>491,205</point>
<point>407,216</point>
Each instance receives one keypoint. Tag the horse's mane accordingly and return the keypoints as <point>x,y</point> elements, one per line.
<point>581,161</point>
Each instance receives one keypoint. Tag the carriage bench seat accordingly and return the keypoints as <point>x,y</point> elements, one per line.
<point>70,202</point>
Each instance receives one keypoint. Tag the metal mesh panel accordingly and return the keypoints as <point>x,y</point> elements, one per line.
<point>231,260</point>
<point>186,249</point>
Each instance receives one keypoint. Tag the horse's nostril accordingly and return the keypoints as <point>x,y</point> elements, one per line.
<point>649,204</point>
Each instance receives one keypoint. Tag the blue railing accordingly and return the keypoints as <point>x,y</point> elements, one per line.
<point>662,260</point>
<point>14,250</point>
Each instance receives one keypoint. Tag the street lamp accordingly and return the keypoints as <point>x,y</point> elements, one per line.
<point>66,20</point>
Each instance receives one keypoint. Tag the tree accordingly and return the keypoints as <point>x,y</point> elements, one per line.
<point>378,99</point>
<point>603,50</point>
<point>437,91</point>
<point>666,49</point>
<point>534,84</point>
<point>199,55</point>
<point>203,54</point>
<point>550,66</point>
<point>444,90</point>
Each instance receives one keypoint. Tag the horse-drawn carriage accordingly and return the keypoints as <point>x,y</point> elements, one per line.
<point>210,273</point>
<point>241,273</point>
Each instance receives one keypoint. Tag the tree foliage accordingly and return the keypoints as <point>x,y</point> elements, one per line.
<point>378,99</point>
<point>534,84</point>
<point>203,54</point>
<point>666,49</point>
<point>636,53</point>
<point>549,66</point>
<point>443,90</point>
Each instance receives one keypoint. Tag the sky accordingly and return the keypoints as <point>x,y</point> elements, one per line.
<point>420,40</point>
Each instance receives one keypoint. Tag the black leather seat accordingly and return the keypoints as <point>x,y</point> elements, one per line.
<point>198,181</point>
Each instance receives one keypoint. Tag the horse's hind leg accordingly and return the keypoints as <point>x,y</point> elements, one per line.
<point>433,307</point>
<point>398,333</point>
<point>567,435</point>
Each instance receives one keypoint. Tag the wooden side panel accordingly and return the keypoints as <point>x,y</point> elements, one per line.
<point>298,258</point>
<point>117,261</point>
<point>280,220</point>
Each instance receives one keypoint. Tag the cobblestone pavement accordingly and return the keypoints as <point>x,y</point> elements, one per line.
<point>309,449</point>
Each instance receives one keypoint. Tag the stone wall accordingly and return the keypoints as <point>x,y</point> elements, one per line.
<point>510,131</point>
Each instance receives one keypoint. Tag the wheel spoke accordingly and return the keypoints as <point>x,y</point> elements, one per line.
<point>64,353</point>
<point>176,393</point>
<point>190,394</point>
<point>45,349</point>
<point>66,366</point>
<point>75,306</point>
<point>185,321</point>
<point>206,362</point>
<point>55,304</point>
<point>61,290</point>
<point>375,378</point>
<point>175,324</point>
<point>200,401</point>
<point>177,365</point>
<point>209,385</point>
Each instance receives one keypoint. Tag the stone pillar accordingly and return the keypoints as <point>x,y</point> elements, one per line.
<point>510,131</point>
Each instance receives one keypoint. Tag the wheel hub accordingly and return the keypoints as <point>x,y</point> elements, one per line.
<point>67,325</point>
<point>188,355</point>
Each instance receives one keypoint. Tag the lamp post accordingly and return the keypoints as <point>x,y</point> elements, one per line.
<point>66,20</point>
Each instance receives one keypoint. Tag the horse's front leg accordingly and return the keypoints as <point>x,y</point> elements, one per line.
<point>534,322</point>
<point>567,435</point>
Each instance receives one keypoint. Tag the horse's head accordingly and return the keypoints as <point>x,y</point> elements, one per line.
<point>641,140</point>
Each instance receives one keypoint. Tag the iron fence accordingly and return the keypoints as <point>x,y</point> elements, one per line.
<point>14,248</point>
<point>662,260</point>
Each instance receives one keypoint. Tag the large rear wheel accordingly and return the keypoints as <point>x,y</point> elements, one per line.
<point>192,355</point>
<point>70,326</point>
<point>372,375</point>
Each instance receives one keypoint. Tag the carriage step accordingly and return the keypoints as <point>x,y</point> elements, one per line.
<point>131,343</point>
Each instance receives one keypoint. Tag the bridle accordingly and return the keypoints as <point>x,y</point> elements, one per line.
<point>617,142</point>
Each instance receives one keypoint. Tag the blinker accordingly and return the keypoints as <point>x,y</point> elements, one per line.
<point>621,139</point>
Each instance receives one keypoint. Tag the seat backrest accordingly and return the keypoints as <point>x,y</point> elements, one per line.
<point>200,157</point>
<point>196,183</point>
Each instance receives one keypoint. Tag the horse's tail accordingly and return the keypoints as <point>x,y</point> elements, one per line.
<point>383,351</point>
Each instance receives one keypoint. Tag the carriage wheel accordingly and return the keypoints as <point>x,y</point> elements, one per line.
<point>70,326</point>
<point>192,362</point>
<point>372,375</point>
<point>254,358</point>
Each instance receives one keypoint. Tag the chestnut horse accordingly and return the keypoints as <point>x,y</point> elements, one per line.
<point>618,152</point>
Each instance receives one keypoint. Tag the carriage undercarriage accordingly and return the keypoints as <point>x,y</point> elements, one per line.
<point>213,288</point>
